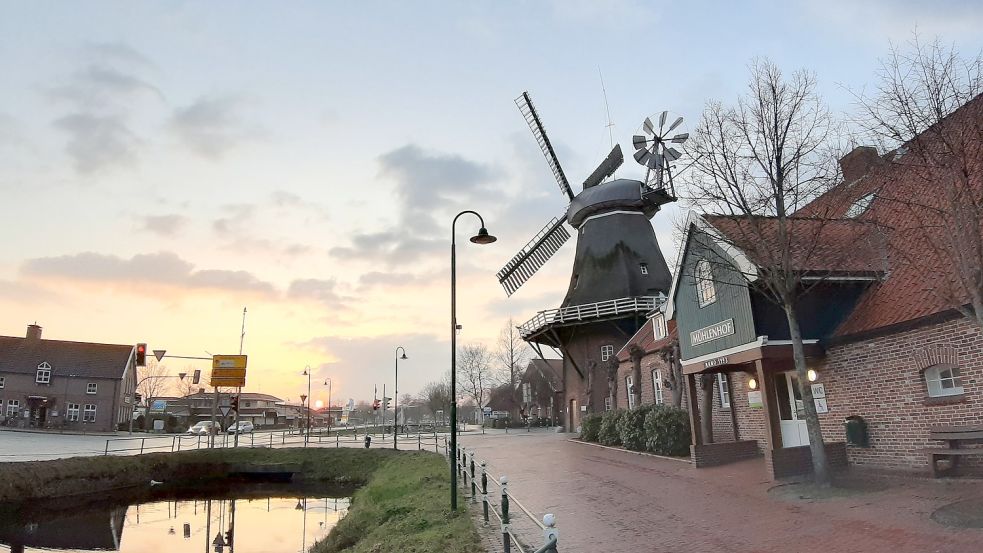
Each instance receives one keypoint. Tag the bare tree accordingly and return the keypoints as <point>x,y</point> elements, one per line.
<point>436,396</point>
<point>475,367</point>
<point>674,378</point>
<point>153,380</point>
<point>186,386</point>
<point>511,355</point>
<point>913,109</point>
<point>757,162</point>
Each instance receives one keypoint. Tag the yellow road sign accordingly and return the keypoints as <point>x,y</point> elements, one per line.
<point>220,382</point>
<point>228,361</point>
<point>228,373</point>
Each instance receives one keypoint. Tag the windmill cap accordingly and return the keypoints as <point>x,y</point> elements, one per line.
<point>618,194</point>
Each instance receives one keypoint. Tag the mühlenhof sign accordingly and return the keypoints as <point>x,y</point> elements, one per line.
<point>712,332</point>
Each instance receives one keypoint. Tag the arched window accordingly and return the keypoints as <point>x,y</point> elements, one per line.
<point>943,380</point>
<point>44,373</point>
<point>706,292</point>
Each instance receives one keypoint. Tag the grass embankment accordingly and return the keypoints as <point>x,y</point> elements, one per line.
<point>404,507</point>
<point>83,475</point>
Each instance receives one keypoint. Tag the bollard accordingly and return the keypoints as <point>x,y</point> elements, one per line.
<point>142,441</point>
<point>505,513</point>
<point>419,443</point>
<point>179,438</point>
<point>337,441</point>
<point>474,489</point>
<point>107,448</point>
<point>172,443</point>
<point>550,533</point>
<point>484,491</point>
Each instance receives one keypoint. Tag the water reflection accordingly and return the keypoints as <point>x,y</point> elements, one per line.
<point>238,525</point>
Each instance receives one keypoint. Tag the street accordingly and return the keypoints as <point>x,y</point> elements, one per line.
<point>613,500</point>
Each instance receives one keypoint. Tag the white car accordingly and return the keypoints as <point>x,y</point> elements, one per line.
<point>244,427</point>
<point>204,428</point>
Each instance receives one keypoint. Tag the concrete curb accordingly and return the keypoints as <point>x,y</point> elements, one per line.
<point>56,432</point>
<point>623,450</point>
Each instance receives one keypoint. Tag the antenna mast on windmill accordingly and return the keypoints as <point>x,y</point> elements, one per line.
<point>619,273</point>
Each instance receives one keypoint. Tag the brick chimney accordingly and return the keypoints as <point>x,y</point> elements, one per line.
<point>33,332</point>
<point>858,162</point>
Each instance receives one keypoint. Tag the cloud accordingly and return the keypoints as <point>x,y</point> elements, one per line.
<point>236,219</point>
<point>115,51</point>
<point>396,279</point>
<point>321,291</point>
<point>26,293</point>
<point>96,142</point>
<point>212,126</point>
<point>162,268</point>
<point>898,19</point>
<point>163,225</point>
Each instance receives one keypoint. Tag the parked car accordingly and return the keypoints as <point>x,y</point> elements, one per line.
<point>204,428</point>
<point>244,427</point>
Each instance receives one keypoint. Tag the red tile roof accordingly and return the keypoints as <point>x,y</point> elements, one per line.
<point>645,340</point>
<point>82,359</point>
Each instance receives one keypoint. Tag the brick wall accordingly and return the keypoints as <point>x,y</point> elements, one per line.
<point>794,461</point>
<point>708,455</point>
<point>881,380</point>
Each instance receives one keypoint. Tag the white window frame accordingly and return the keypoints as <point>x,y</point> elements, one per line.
<point>860,206</point>
<point>706,290</point>
<point>607,351</point>
<point>13,405</point>
<point>43,376</point>
<point>3,380</point>
<point>72,412</point>
<point>723,391</point>
<point>657,392</point>
<point>91,388</point>
<point>607,403</point>
<point>629,384</point>
<point>89,415</point>
<point>936,378</point>
<point>659,326</point>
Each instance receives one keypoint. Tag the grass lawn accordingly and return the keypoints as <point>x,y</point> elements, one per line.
<point>405,507</point>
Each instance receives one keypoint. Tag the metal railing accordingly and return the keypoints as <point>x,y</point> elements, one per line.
<point>475,478</point>
<point>573,313</point>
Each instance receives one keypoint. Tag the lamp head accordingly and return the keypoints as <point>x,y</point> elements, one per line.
<point>483,237</point>
<point>404,356</point>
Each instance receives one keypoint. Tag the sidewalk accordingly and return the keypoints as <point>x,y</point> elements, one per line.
<point>609,500</point>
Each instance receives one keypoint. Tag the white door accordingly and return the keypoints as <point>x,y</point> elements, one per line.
<point>791,410</point>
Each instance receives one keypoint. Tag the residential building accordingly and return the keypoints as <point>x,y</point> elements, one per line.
<point>65,385</point>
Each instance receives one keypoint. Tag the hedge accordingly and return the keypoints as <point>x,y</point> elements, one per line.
<point>667,431</point>
<point>590,427</point>
<point>631,428</point>
<point>609,434</point>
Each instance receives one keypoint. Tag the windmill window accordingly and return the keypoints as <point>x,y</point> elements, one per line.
<point>644,267</point>
<point>706,292</point>
<point>860,206</point>
<point>43,374</point>
<point>606,352</point>
<point>943,380</point>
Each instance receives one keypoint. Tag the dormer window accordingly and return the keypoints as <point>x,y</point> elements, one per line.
<point>659,327</point>
<point>859,207</point>
<point>43,374</point>
<point>644,268</point>
<point>706,292</point>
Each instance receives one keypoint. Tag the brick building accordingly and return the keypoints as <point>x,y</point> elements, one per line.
<point>61,384</point>
<point>885,340</point>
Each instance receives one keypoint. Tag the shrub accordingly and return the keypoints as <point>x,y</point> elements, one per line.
<point>590,426</point>
<point>631,428</point>
<point>667,431</point>
<point>608,434</point>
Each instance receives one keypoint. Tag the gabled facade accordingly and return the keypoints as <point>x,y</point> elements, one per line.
<point>59,384</point>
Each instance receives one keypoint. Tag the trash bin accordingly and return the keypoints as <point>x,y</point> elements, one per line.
<point>856,431</point>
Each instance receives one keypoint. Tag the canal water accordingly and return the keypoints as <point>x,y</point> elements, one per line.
<point>250,524</point>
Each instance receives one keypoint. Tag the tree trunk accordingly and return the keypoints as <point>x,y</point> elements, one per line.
<point>706,407</point>
<point>676,376</point>
<point>820,464</point>
<point>636,375</point>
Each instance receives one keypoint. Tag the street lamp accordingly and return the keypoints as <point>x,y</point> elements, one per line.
<point>396,394</point>
<point>307,373</point>
<point>327,382</point>
<point>481,238</point>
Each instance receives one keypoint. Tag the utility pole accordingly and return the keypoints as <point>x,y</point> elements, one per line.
<point>242,337</point>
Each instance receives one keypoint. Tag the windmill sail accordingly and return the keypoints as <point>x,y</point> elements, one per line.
<point>528,111</point>
<point>533,256</point>
<point>608,166</point>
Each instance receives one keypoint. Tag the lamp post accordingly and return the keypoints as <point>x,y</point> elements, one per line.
<point>327,382</point>
<point>481,238</point>
<point>396,395</point>
<point>307,373</point>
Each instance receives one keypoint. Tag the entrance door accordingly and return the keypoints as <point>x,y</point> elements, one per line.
<point>791,410</point>
<point>573,416</point>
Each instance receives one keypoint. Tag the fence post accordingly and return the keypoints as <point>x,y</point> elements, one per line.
<point>337,441</point>
<point>173,438</point>
<point>107,448</point>
<point>505,514</point>
<point>550,533</point>
<point>474,490</point>
<point>142,441</point>
<point>484,491</point>
<point>179,438</point>
<point>419,443</point>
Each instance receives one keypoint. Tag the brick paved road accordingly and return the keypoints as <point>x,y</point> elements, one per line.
<point>613,501</point>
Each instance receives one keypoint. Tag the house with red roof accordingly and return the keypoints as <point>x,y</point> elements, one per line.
<point>60,384</point>
<point>890,349</point>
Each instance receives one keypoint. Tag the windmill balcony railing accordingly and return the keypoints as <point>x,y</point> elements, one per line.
<point>587,311</point>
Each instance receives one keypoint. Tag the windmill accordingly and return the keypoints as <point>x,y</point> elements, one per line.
<point>619,273</point>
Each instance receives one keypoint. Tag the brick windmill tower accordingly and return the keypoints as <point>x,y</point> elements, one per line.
<point>619,273</point>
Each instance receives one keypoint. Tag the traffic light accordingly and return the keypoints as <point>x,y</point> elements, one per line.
<point>235,403</point>
<point>197,377</point>
<point>385,403</point>
<point>141,355</point>
<point>375,405</point>
<point>228,537</point>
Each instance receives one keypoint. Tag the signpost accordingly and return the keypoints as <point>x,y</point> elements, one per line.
<point>228,371</point>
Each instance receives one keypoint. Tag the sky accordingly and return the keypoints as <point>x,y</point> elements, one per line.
<point>165,164</point>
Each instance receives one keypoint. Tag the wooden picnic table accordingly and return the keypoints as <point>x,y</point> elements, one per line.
<point>956,437</point>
